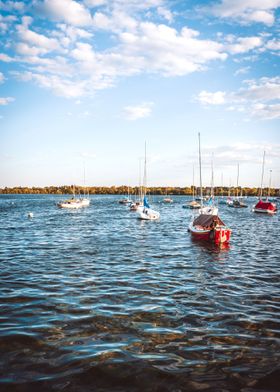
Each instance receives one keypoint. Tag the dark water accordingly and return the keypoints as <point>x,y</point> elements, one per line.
<point>95,300</point>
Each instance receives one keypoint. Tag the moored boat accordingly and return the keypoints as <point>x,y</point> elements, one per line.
<point>237,204</point>
<point>209,228</point>
<point>72,203</point>
<point>167,200</point>
<point>208,225</point>
<point>146,212</point>
<point>193,205</point>
<point>265,207</point>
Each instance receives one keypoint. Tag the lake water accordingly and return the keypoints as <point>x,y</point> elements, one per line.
<point>96,300</point>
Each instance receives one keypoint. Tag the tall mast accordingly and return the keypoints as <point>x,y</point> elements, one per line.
<point>212,177</point>
<point>145,171</point>
<point>200,176</point>
<point>193,181</point>
<point>262,174</point>
<point>140,185</point>
<point>237,181</point>
<point>268,194</point>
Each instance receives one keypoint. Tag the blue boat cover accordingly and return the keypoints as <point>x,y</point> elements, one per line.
<point>146,204</point>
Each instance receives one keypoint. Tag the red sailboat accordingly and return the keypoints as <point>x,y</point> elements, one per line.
<point>265,206</point>
<point>208,227</point>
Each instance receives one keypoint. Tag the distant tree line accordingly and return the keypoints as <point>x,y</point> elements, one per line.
<point>123,190</point>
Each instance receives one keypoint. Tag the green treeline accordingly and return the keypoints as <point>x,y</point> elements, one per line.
<point>122,190</point>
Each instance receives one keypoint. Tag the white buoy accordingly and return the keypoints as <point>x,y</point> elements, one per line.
<point>30,215</point>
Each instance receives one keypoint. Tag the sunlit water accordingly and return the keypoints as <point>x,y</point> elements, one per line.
<point>95,300</point>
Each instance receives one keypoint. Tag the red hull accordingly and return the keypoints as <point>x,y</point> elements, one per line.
<point>265,207</point>
<point>219,236</point>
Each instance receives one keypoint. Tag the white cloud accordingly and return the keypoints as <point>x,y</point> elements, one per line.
<point>34,43</point>
<point>4,57</point>
<point>5,22</point>
<point>163,49</point>
<point>95,3</point>
<point>244,44</point>
<point>6,101</point>
<point>208,98</point>
<point>260,98</point>
<point>69,11</point>
<point>165,13</point>
<point>246,11</point>
<point>242,71</point>
<point>12,5</point>
<point>136,112</point>
<point>59,85</point>
<point>1,78</point>
<point>273,44</point>
<point>265,89</point>
<point>266,112</point>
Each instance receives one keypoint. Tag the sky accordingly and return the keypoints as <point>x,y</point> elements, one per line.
<point>84,84</point>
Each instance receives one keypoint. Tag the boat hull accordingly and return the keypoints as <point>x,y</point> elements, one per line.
<point>148,214</point>
<point>261,211</point>
<point>219,235</point>
<point>74,204</point>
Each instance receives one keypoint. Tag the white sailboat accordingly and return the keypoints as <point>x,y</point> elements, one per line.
<point>85,201</point>
<point>192,204</point>
<point>167,198</point>
<point>146,212</point>
<point>237,202</point>
<point>73,202</point>
<point>209,208</point>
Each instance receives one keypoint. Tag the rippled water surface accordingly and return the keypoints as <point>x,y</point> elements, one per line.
<point>96,300</point>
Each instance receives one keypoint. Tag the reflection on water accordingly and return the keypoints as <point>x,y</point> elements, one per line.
<point>94,299</point>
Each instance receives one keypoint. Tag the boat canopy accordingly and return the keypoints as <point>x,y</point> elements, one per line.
<point>265,205</point>
<point>146,204</point>
<point>208,220</point>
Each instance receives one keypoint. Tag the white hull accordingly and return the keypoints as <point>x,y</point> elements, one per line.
<point>148,214</point>
<point>74,204</point>
<point>259,210</point>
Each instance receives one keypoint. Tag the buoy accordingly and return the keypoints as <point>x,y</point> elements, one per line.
<point>30,215</point>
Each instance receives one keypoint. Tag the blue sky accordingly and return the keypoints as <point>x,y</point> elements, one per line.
<point>85,83</point>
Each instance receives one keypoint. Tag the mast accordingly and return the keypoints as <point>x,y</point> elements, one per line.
<point>193,183</point>
<point>200,176</point>
<point>140,185</point>
<point>212,178</point>
<point>270,171</point>
<point>237,181</point>
<point>145,172</point>
<point>262,174</point>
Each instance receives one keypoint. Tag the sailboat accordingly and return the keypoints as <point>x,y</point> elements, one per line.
<point>192,204</point>
<point>85,201</point>
<point>138,202</point>
<point>264,206</point>
<point>73,202</point>
<point>126,200</point>
<point>208,226</point>
<point>167,199</point>
<point>145,212</point>
<point>237,203</point>
<point>209,207</point>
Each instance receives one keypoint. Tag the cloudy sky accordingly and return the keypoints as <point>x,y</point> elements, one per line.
<point>85,83</point>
